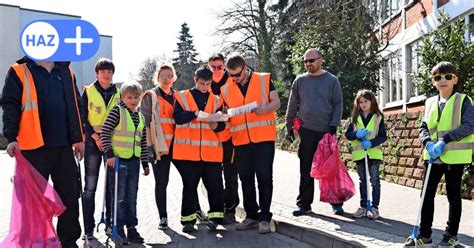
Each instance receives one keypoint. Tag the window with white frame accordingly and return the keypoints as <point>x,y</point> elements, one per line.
<point>392,78</point>
<point>413,66</point>
<point>390,7</point>
<point>471,28</point>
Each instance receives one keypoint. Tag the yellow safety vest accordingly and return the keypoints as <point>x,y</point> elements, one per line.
<point>98,112</point>
<point>456,152</point>
<point>126,139</point>
<point>373,128</point>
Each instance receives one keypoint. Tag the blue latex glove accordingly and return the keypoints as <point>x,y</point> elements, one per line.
<point>429,148</point>
<point>361,133</point>
<point>438,148</point>
<point>366,144</point>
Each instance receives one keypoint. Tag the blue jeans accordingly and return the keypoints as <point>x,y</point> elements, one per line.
<point>92,161</point>
<point>128,174</point>
<point>374,180</point>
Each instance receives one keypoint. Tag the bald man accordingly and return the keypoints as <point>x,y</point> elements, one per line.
<point>315,98</point>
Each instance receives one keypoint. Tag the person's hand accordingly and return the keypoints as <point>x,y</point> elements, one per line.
<point>258,110</point>
<point>79,150</point>
<point>366,144</point>
<point>13,148</point>
<point>290,135</point>
<point>361,133</point>
<point>98,142</point>
<point>438,148</point>
<point>429,148</point>
<point>213,125</point>
<point>111,162</point>
<point>332,130</point>
<point>146,169</point>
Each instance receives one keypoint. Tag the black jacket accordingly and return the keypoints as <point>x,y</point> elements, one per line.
<point>11,102</point>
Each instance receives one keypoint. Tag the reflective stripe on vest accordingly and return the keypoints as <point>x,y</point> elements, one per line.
<point>97,111</point>
<point>250,127</point>
<point>126,139</point>
<point>196,141</point>
<point>358,152</point>
<point>455,152</point>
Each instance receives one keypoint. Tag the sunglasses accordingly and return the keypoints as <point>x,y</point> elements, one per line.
<point>438,77</point>
<point>310,60</point>
<point>219,67</point>
<point>236,75</point>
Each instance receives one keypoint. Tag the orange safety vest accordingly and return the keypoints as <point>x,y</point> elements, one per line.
<point>196,141</point>
<point>225,135</point>
<point>249,127</point>
<point>166,117</point>
<point>29,132</point>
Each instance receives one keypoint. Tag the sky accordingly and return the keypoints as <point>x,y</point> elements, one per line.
<point>142,29</point>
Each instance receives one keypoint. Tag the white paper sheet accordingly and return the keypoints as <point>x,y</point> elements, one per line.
<point>242,109</point>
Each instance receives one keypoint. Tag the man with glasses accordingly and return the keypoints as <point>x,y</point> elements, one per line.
<point>253,135</point>
<point>231,194</point>
<point>316,99</point>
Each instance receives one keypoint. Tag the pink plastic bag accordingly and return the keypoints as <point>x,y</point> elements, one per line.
<point>297,122</point>
<point>325,159</point>
<point>34,204</point>
<point>335,184</point>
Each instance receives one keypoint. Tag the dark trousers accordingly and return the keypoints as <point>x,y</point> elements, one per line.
<point>309,141</point>
<point>256,159</point>
<point>452,175</point>
<point>92,161</point>
<point>59,163</point>
<point>161,171</point>
<point>211,174</point>
<point>231,194</point>
<point>127,190</point>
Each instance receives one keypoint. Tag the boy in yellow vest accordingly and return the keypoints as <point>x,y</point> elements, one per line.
<point>98,100</point>
<point>447,134</point>
<point>124,137</point>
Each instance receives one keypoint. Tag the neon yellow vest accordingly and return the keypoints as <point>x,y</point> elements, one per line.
<point>96,105</point>
<point>126,140</point>
<point>456,152</point>
<point>373,128</point>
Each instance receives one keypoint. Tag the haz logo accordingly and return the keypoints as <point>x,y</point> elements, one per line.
<point>59,40</point>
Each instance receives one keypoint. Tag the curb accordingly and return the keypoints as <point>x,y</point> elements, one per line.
<point>317,238</point>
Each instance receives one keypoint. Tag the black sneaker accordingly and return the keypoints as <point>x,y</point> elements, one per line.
<point>189,228</point>
<point>133,236</point>
<point>420,241</point>
<point>163,223</point>
<point>121,238</point>
<point>229,218</point>
<point>449,240</point>
<point>301,211</point>
<point>211,226</point>
<point>201,216</point>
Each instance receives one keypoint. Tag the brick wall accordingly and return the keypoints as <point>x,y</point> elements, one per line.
<point>402,152</point>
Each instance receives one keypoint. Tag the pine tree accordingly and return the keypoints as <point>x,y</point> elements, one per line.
<point>186,62</point>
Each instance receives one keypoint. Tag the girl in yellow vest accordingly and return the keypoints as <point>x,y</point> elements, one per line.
<point>124,138</point>
<point>447,134</point>
<point>366,133</point>
<point>197,150</point>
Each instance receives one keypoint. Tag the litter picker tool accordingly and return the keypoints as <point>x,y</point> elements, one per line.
<point>369,213</point>
<point>81,193</point>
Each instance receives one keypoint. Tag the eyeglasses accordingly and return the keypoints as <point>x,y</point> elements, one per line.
<point>236,75</point>
<point>219,67</point>
<point>438,77</point>
<point>310,60</point>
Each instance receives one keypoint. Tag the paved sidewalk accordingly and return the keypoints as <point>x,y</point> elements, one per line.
<point>398,208</point>
<point>148,218</point>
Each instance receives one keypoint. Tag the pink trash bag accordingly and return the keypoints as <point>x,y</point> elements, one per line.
<point>297,122</point>
<point>34,204</point>
<point>335,184</point>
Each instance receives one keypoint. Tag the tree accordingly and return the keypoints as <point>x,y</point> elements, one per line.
<point>146,72</point>
<point>253,22</point>
<point>447,43</point>
<point>186,62</point>
<point>342,30</point>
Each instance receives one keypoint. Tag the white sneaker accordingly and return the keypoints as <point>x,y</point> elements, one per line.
<point>375,213</point>
<point>246,224</point>
<point>361,212</point>
<point>264,227</point>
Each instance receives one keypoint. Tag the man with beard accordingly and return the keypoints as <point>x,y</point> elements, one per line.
<point>316,99</point>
